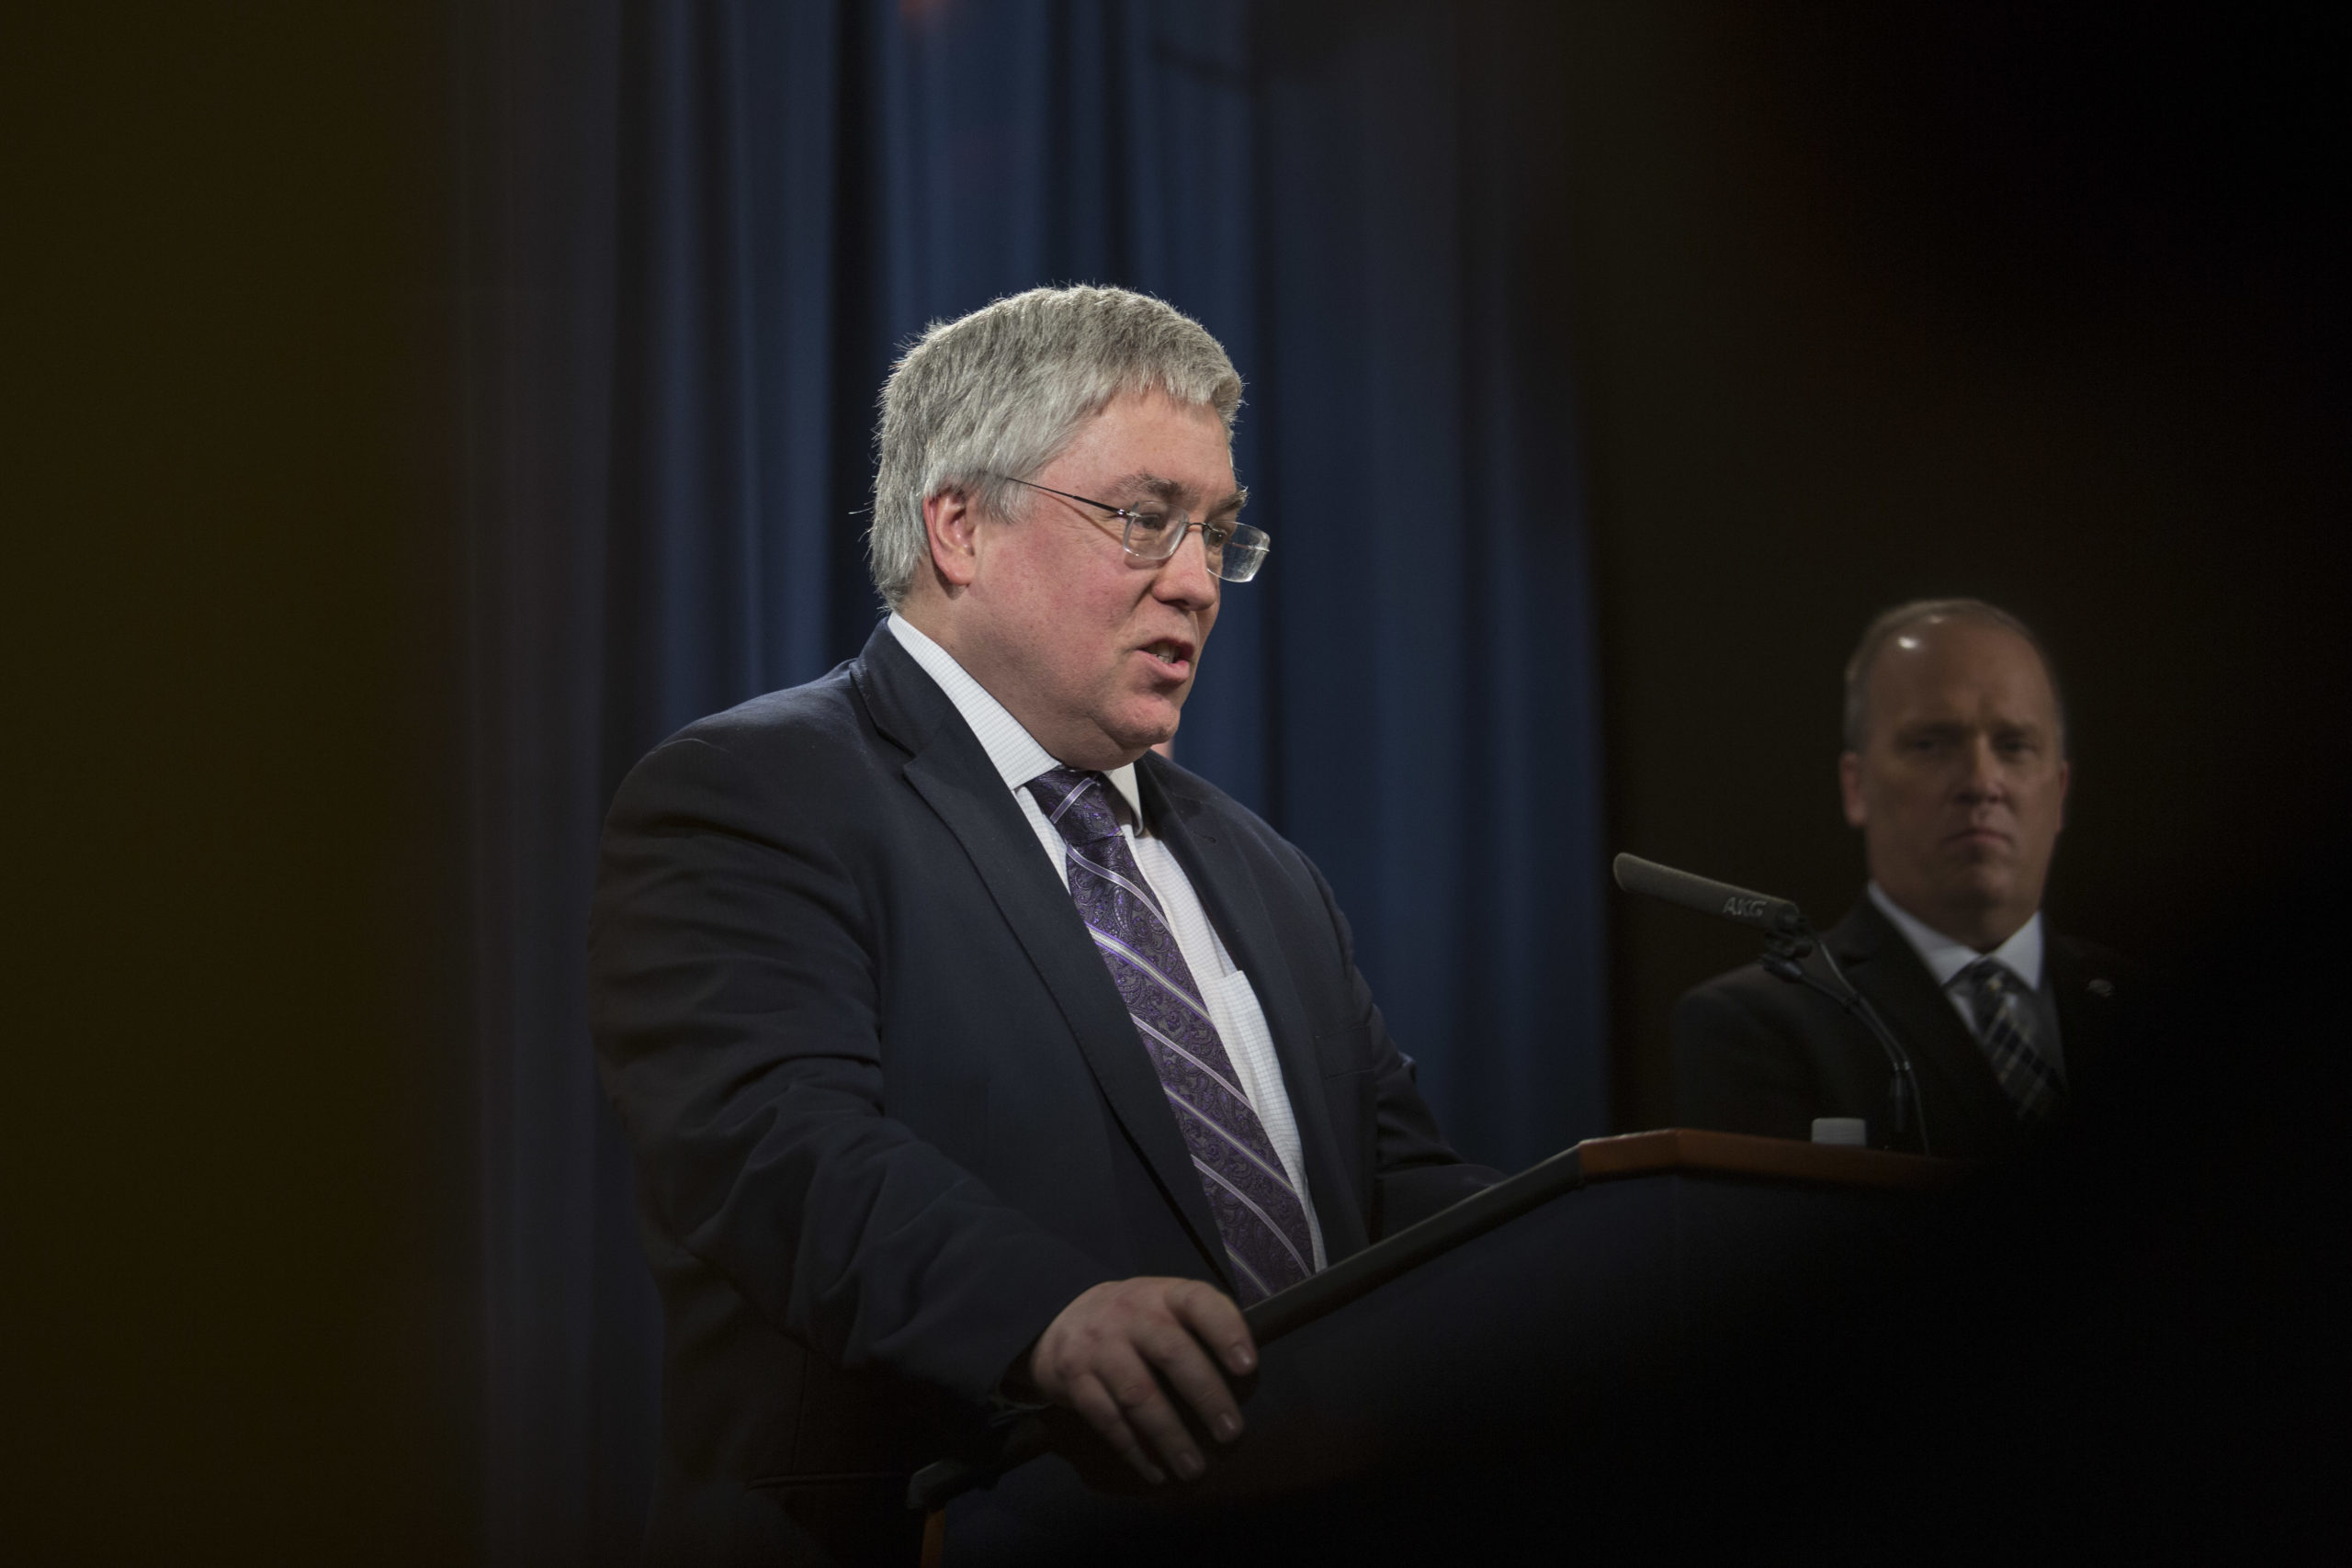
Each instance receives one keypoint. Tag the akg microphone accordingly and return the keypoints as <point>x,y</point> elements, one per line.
<point>1789,940</point>
<point>1764,912</point>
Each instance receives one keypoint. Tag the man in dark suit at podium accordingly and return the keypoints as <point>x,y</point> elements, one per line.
<point>973,1056</point>
<point>1955,771</point>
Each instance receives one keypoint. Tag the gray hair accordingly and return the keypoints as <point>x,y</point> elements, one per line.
<point>1902,618</point>
<point>1004,390</point>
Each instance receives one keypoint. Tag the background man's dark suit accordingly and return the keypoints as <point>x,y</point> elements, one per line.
<point>1757,1055</point>
<point>889,1111</point>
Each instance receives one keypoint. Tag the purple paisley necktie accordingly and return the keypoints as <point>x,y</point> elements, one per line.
<point>1258,1211</point>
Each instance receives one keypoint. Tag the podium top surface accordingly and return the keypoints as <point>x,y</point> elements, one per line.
<point>1690,1150</point>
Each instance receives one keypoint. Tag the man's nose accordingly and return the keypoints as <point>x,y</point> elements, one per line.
<point>1185,578</point>
<point>1983,778</point>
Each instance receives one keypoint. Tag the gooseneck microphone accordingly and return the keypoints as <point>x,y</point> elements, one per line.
<point>1764,912</point>
<point>1788,942</point>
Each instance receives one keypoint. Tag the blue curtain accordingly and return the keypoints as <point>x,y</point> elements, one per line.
<point>694,238</point>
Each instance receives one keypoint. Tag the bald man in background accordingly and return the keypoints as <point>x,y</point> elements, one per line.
<point>1955,772</point>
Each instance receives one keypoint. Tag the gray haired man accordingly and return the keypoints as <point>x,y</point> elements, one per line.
<point>972,1054</point>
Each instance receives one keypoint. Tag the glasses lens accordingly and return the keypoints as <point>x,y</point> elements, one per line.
<point>1243,552</point>
<point>1233,550</point>
<point>1152,536</point>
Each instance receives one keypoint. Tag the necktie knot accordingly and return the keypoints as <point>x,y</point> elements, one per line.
<point>1991,978</point>
<point>1077,803</point>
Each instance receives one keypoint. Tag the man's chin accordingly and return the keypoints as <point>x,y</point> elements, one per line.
<point>1978,888</point>
<point>1139,743</point>
<point>1147,724</point>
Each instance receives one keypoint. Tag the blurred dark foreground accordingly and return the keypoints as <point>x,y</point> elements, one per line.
<point>2128,1348</point>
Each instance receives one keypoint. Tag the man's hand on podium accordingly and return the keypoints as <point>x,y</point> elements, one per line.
<point>1105,1356</point>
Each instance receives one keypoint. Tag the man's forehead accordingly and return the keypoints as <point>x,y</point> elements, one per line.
<point>1223,495</point>
<point>1955,710</point>
<point>1959,649</point>
<point>1941,672</point>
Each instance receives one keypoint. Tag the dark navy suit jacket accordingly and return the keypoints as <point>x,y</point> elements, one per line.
<point>1753,1053</point>
<point>888,1111</point>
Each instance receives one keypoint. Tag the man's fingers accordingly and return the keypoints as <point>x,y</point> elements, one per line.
<point>1163,1431</point>
<point>1107,1353</point>
<point>1180,1361</point>
<point>1101,1411</point>
<point>1211,1315</point>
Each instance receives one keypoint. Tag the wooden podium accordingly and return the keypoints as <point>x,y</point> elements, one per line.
<point>1605,1290</point>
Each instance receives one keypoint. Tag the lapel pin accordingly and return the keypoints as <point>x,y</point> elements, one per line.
<point>2103,988</point>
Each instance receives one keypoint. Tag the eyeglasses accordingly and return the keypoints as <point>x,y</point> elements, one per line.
<point>1235,550</point>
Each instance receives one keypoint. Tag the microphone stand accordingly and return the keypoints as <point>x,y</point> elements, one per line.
<point>1786,947</point>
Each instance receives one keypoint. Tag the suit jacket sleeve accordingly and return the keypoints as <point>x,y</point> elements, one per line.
<point>734,998</point>
<point>1741,1066</point>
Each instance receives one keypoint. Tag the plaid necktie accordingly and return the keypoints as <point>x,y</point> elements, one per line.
<point>2005,1029</point>
<point>1258,1213</point>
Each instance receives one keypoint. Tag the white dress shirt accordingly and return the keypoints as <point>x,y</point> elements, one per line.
<point>1946,958</point>
<point>1224,991</point>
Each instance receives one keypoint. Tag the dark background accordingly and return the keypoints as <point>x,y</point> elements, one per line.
<point>2012,302</point>
<point>2025,304</point>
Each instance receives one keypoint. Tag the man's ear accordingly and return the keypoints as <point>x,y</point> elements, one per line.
<point>2066,777</point>
<point>1849,788</point>
<point>951,525</point>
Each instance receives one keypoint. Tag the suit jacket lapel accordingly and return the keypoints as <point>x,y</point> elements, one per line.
<point>1228,892</point>
<point>951,770</point>
<point>1955,1079</point>
<point>2084,994</point>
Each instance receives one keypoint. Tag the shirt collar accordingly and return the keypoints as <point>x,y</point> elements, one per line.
<point>1945,957</point>
<point>1014,751</point>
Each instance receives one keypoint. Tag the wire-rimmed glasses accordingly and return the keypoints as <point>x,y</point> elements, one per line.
<point>1234,550</point>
